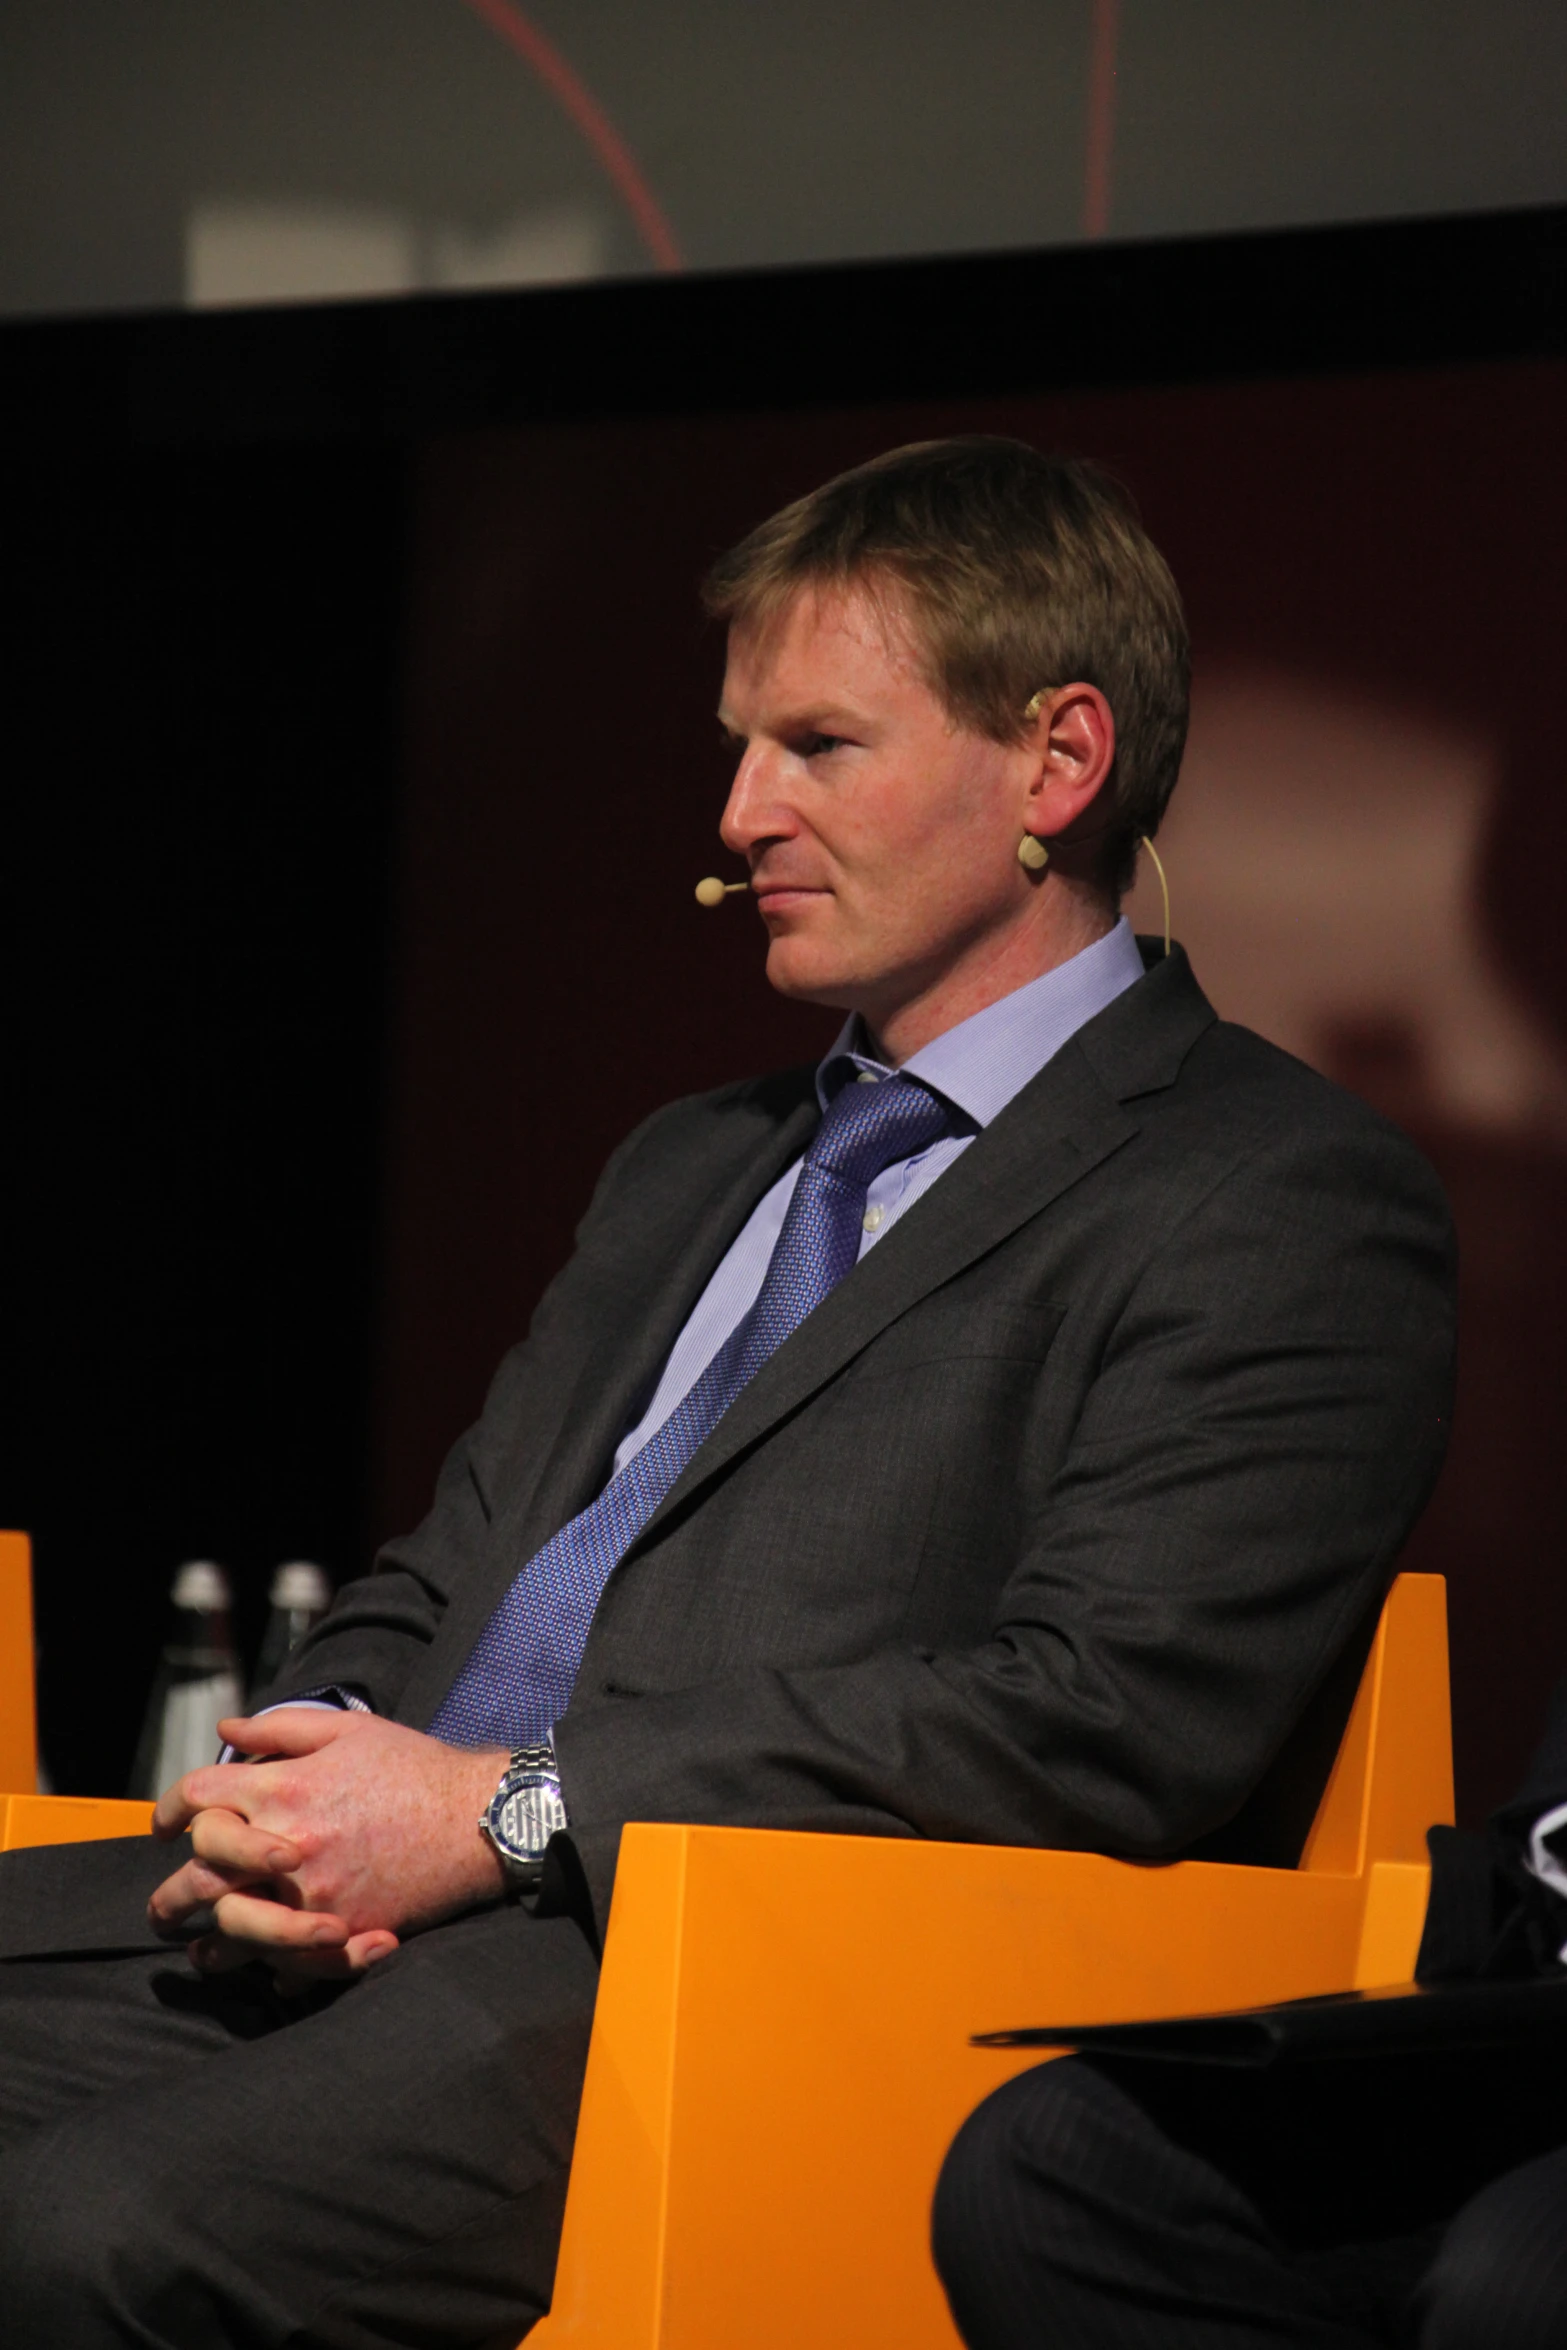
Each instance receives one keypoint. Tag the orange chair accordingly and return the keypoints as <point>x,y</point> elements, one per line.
<point>780,2049</point>
<point>27,1817</point>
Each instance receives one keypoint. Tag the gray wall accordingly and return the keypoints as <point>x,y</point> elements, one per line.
<point>154,152</point>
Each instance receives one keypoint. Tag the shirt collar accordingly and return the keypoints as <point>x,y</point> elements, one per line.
<point>986,1059</point>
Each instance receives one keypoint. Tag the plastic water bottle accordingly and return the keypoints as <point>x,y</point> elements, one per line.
<point>300,1597</point>
<point>197,1683</point>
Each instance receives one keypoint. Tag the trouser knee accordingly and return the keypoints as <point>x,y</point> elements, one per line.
<point>1499,2281</point>
<point>1003,2178</point>
<point>86,2268</point>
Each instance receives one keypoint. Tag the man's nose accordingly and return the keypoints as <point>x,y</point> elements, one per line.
<point>758,808</point>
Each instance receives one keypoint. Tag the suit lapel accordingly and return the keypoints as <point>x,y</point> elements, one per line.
<point>1067,1121</point>
<point>676,1247</point>
<point>673,1245</point>
<point>1011,1172</point>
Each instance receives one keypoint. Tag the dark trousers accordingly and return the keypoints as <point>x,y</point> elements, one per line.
<point>194,2164</point>
<point>1147,2206</point>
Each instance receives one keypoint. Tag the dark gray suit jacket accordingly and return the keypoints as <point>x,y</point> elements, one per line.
<point>1062,1521</point>
<point>1045,1528</point>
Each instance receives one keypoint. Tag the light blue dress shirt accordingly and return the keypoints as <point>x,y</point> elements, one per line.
<point>977,1067</point>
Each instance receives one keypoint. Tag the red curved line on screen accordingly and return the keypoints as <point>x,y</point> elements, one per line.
<point>577,101</point>
<point>1099,141</point>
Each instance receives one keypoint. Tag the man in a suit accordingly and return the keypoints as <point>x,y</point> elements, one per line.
<point>1000,1433</point>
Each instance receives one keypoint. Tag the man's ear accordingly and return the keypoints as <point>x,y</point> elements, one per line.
<point>1076,747</point>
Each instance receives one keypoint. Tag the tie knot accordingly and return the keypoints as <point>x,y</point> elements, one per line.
<point>868,1127</point>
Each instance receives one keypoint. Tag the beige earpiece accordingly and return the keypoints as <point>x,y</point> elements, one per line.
<point>1032,854</point>
<point>712,891</point>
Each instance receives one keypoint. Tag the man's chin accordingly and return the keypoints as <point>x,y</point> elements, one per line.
<point>810,978</point>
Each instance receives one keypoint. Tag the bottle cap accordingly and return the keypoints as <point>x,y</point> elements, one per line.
<point>300,1583</point>
<point>201,1584</point>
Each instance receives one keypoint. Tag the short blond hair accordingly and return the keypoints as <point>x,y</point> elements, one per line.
<point>1017,570</point>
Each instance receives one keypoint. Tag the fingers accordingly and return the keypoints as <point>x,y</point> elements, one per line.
<point>290,1730</point>
<point>177,1912</point>
<point>270,1929</point>
<point>222,1786</point>
<point>358,1954</point>
<point>230,1854</point>
<point>183,1905</point>
<point>297,1970</point>
<point>230,1844</point>
<point>362,1950</point>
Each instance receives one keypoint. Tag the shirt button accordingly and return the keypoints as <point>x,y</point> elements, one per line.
<point>867,1077</point>
<point>873,1219</point>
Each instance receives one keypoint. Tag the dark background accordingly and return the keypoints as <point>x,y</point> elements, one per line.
<point>362,760</point>
<point>200,656</point>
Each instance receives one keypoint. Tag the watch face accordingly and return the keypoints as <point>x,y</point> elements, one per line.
<point>525,1814</point>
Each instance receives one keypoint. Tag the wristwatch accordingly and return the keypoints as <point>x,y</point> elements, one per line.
<point>524,1813</point>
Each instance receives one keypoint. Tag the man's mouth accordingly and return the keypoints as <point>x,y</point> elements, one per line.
<point>775,897</point>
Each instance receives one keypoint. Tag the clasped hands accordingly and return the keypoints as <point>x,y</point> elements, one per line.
<point>346,1834</point>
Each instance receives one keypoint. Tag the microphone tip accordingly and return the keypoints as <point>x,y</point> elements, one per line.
<point>711,891</point>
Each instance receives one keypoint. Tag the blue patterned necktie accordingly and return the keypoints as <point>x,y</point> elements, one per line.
<point>518,1678</point>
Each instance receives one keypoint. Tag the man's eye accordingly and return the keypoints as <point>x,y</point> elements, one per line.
<point>811,746</point>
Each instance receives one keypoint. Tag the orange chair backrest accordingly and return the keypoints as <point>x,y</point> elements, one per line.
<point>1393,1776</point>
<point>18,1725</point>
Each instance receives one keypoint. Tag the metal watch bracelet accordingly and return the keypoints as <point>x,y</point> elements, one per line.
<point>525,1811</point>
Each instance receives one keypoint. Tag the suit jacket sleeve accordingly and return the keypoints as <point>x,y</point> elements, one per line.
<point>1268,1416</point>
<point>380,1626</point>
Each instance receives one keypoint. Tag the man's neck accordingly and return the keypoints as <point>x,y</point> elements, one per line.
<point>975,981</point>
